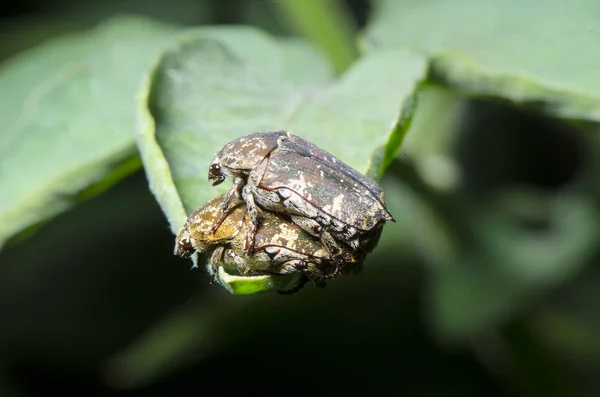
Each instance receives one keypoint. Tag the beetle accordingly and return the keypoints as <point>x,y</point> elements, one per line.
<point>284,173</point>
<point>282,247</point>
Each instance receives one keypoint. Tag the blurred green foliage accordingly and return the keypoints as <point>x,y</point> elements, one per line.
<point>487,283</point>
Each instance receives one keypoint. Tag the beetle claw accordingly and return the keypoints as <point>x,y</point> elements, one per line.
<point>301,283</point>
<point>250,244</point>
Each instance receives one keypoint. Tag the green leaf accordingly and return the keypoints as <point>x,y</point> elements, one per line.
<point>219,84</point>
<point>534,51</point>
<point>69,114</point>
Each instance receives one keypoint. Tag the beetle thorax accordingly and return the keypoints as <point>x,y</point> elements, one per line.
<point>240,156</point>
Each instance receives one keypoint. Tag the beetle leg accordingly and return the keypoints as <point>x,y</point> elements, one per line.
<point>335,251</point>
<point>315,275</point>
<point>311,226</point>
<point>235,190</point>
<point>314,228</point>
<point>301,283</point>
<point>293,266</point>
<point>337,272</point>
<point>253,216</point>
<point>231,199</point>
<point>214,260</point>
<point>296,203</point>
<point>311,271</point>
<point>240,262</point>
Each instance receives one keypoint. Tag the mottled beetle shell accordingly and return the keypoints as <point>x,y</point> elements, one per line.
<point>290,175</point>
<point>339,195</point>
<point>281,246</point>
<point>194,235</point>
<point>244,154</point>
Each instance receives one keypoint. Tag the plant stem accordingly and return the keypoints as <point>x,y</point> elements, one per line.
<point>326,23</point>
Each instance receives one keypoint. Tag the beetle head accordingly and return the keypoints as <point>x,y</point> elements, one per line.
<point>187,243</point>
<point>240,156</point>
<point>215,174</point>
<point>183,244</point>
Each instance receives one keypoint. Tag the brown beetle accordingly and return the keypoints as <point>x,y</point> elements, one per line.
<point>281,247</point>
<point>283,173</point>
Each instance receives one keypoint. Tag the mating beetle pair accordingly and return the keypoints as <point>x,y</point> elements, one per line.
<point>281,247</point>
<point>292,208</point>
<point>284,173</point>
